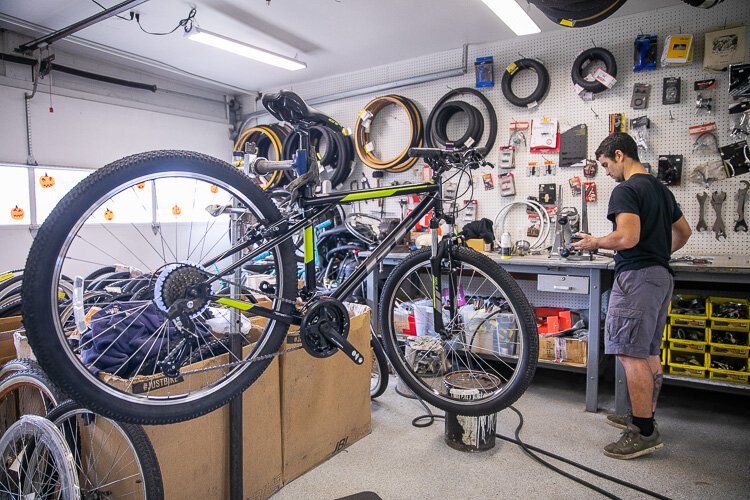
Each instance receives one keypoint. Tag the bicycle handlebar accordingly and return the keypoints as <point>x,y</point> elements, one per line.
<point>263,166</point>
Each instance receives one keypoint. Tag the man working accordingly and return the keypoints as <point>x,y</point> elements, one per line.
<point>648,227</point>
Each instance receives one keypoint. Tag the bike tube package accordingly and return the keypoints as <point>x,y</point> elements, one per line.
<point>445,109</point>
<point>268,138</point>
<point>584,60</point>
<point>542,86</point>
<point>364,145</point>
<point>337,156</point>
<point>578,13</point>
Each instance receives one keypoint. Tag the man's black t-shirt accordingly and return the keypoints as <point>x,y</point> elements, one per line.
<point>646,197</point>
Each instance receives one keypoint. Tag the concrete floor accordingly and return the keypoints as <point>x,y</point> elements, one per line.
<point>706,453</point>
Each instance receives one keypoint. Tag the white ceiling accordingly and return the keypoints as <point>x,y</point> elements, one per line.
<point>331,36</point>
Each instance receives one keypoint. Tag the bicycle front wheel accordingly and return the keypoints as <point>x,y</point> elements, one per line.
<point>171,220</point>
<point>486,355</point>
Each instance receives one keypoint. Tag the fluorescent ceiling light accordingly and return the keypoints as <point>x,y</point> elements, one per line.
<point>243,49</point>
<point>513,16</point>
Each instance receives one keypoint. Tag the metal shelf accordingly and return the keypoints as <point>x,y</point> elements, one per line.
<point>560,366</point>
<point>708,384</point>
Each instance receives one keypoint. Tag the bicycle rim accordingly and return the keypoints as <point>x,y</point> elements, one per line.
<point>484,360</point>
<point>162,217</point>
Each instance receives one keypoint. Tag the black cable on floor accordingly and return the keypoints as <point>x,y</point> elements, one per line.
<point>528,449</point>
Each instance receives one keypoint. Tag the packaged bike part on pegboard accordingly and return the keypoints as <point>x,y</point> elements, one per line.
<point>589,170</point>
<point>670,170</point>
<point>678,50</point>
<point>639,128</point>
<point>507,157</point>
<point>545,137</point>
<point>671,90</point>
<point>644,53</point>
<point>590,188</point>
<point>549,167</point>
<point>739,80</point>
<point>616,123</point>
<point>707,173</point>
<point>724,47</point>
<point>739,120</point>
<point>705,96</point>
<point>489,184</point>
<point>575,185</point>
<point>736,158</point>
<point>507,184</point>
<point>533,169</point>
<point>547,194</point>
<point>535,226</point>
<point>641,92</point>
<point>485,76</point>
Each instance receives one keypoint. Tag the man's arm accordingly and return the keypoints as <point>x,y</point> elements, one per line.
<point>680,233</point>
<point>627,235</point>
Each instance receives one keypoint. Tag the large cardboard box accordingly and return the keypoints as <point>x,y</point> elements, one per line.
<point>564,350</point>
<point>194,455</point>
<point>7,327</point>
<point>325,403</point>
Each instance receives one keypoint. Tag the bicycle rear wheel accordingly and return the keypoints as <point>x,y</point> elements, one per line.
<point>161,217</point>
<point>487,355</point>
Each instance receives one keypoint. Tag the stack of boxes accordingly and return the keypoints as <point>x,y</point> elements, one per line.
<point>703,344</point>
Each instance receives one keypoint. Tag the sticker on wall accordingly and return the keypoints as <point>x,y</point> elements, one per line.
<point>141,185</point>
<point>16,213</point>
<point>214,188</point>
<point>109,215</point>
<point>46,181</point>
<point>176,210</point>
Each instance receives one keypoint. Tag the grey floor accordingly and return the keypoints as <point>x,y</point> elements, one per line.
<point>706,453</point>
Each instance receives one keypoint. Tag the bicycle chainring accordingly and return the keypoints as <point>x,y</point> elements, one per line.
<point>326,313</point>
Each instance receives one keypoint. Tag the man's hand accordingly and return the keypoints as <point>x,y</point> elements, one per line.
<point>587,242</point>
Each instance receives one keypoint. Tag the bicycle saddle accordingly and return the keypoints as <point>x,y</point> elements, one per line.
<point>287,106</point>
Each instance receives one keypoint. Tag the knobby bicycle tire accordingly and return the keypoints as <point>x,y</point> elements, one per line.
<point>26,391</point>
<point>137,440</point>
<point>526,364</point>
<point>43,327</point>
<point>380,360</point>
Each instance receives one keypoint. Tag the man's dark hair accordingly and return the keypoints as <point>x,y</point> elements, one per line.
<point>616,141</point>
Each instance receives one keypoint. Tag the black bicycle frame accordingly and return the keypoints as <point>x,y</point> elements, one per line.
<point>315,206</point>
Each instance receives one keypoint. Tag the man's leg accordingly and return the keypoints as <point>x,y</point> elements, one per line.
<point>640,380</point>
<point>654,363</point>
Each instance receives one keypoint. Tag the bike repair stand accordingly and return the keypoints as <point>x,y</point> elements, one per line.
<point>466,433</point>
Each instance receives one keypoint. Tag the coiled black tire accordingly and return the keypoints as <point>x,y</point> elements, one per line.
<point>542,86</point>
<point>338,155</point>
<point>113,459</point>
<point>437,120</point>
<point>584,59</point>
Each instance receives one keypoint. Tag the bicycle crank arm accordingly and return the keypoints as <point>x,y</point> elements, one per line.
<point>342,344</point>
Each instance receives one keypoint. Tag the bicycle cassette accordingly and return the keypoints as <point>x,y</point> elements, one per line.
<point>325,315</point>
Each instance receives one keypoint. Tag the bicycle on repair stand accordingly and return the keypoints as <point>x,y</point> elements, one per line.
<point>456,326</point>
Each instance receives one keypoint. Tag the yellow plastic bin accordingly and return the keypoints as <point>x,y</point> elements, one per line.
<point>686,359</point>
<point>689,320</point>
<point>741,324</point>
<point>687,372</point>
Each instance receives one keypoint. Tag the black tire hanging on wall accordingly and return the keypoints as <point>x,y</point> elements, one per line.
<point>435,132</point>
<point>584,59</point>
<point>542,86</point>
<point>577,13</point>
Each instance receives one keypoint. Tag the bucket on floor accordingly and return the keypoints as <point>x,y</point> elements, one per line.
<point>466,433</point>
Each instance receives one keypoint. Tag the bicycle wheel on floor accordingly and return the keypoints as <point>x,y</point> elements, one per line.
<point>162,214</point>
<point>487,356</point>
<point>113,459</point>
<point>35,462</point>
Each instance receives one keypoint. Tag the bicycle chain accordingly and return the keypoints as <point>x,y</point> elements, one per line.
<point>244,361</point>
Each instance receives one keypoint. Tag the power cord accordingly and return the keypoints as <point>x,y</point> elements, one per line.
<point>186,23</point>
<point>529,450</point>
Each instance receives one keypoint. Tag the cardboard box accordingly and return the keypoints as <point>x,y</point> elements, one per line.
<point>564,350</point>
<point>194,455</point>
<point>7,327</point>
<point>325,403</point>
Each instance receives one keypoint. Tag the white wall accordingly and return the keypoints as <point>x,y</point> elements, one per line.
<point>95,123</point>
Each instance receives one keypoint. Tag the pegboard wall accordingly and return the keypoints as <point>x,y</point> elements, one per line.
<point>557,50</point>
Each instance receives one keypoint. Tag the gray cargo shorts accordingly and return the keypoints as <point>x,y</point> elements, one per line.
<point>637,312</point>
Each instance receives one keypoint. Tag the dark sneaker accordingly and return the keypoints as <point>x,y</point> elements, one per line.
<point>620,421</point>
<point>633,444</point>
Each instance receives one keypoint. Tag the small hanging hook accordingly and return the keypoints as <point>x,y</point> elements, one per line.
<point>671,118</point>
<point>592,110</point>
<point>592,42</point>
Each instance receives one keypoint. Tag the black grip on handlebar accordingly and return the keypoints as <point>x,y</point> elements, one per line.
<point>426,153</point>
